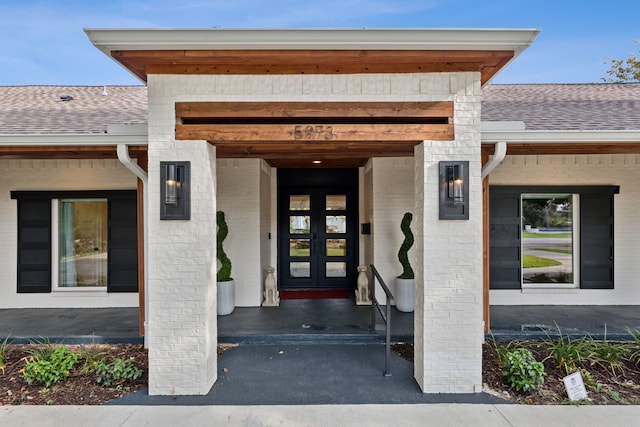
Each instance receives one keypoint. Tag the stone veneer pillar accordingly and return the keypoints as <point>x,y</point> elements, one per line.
<point>448,304</point>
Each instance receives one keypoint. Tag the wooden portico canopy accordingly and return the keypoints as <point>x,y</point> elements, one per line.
<point>328,134</point>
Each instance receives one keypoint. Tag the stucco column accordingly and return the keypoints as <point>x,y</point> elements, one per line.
<point>182,329</point>
<point>448,259</point>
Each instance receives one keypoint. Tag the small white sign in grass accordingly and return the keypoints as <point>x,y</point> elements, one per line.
<point>575,386</point>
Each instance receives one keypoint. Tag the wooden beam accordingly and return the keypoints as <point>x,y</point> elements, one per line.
<point>314,109</point>
<point>571,148</point>
<point>327,163</point>
<point>320,67</point>
<point>66,152</point>
<point>296,134</point>
<point>313,154</point>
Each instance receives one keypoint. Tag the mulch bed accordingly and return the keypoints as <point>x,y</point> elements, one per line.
<point>618,387</point>
<point>77,389</point>
<point>613,387</point>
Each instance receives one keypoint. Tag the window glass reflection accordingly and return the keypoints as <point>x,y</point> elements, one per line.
<point>336,202</point>
<point>336,224</point>
<point>336,247</point>
<point>299,224</point>
<point>336,269</point>
<point>299,247</point>
<point>547,238</point>
<point>299,202</point>
<point>299,269</point>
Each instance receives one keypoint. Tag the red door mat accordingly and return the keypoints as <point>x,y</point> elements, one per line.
<point>315,294</point>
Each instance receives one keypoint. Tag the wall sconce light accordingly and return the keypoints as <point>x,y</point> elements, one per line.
<point>454,190</point>
<point>175,190</point>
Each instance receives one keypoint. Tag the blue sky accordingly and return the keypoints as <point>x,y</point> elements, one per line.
<point>43,42</point>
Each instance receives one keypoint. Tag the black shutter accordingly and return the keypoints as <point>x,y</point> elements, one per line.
<point>34,245</point>
<point>123,244</point>
<point>596,241</point>
<point>504,237</point>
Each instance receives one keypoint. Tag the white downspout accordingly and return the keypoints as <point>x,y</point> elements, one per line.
<point>498,156</point>
<point>125,159</point>
<point>123,156</point>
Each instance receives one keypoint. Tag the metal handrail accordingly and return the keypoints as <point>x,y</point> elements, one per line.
<point>386,317</point>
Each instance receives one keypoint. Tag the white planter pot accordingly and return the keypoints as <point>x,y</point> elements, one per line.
<point>226,297</point>
<point>404,295</point>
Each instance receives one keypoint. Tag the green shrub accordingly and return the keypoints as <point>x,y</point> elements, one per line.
<point>51,366</point>
<point>224,272</point>
<point>116,372</point>
<point>407,243</point>
<point>522,371</point>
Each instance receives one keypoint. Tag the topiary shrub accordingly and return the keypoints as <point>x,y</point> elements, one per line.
<point>224,272</point>
<point>403,253</point>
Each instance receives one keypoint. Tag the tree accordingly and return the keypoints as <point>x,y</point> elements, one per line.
<point>623,70</point>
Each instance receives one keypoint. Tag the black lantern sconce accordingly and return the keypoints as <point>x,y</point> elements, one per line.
<point>175,190</point>
<point>454,190</point>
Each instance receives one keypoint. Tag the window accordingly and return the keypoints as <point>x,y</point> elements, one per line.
<point>77,240</point>
<point>82,253</point>
<point>577,223</point>
<point>550,240</point>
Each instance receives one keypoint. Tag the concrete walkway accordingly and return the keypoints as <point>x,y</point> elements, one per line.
<point>335,415</point>
<point>315,374</point>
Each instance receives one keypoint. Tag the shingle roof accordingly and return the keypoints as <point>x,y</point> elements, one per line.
<point>565,106</point>
<point>40,110</point>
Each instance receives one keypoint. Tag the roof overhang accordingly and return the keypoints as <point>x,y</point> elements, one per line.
<point>307,51</point>
<point>69,146</point>
<point>543,142</point>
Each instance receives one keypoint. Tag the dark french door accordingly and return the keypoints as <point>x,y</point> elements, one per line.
<point>318,218</point>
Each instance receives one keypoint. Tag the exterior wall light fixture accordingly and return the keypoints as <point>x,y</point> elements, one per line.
<point>175,190</point>
<point>454,190</point>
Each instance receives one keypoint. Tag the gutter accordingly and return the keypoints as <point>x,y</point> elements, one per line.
<point>125,159</point>
<point>498,157</point>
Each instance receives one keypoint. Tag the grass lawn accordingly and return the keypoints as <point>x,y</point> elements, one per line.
<point>526,235</point>
<point>530,261</point>
<point>558,251</point>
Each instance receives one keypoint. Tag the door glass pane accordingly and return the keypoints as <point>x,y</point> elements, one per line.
<point>547,238</point>
<point>336,202</point>
<point>299,202</point>
<point>299,224</point>
<point>336,247</point>
<point>299,247</point>
<point>83,243</point>
<point>299,269</point>
<point>336,224</point>
<point>336,269</point>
